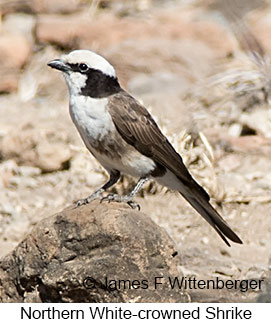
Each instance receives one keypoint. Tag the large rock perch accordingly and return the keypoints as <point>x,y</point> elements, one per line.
<point>55,261</point>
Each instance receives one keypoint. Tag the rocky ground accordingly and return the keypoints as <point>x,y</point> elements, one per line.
<point>86,254</point>
<point>192,64</point>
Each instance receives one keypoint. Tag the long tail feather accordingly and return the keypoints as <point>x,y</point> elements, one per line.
<point>206,210</point>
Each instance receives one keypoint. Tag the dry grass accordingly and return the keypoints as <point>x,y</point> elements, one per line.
<point>246,80</point>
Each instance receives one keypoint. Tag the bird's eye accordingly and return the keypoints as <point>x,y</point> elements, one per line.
<point>83,67</point>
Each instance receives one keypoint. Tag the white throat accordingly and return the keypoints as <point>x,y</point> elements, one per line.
<point>75,82</point>
<point>91,118</point>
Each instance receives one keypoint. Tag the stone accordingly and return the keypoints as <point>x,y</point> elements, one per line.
<point>43,6</point>
<point>44,149</point>
<point>95,253</point>
<point>19,24</point>
<point>155,83</point>
<point>70,31</point>
<point>15,50</point>
<point>7,170</point>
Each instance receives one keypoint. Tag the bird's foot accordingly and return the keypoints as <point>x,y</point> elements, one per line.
<point>121,199</point>
<point>82,202</point>
<point>88,199</point>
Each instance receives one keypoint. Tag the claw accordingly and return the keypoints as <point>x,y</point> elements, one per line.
<point>90,198</point>
<point>125,199</point>
<point>81,202</point>
<point>133,205</point>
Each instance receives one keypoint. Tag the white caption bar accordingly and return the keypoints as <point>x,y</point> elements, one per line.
<point>150,312</point>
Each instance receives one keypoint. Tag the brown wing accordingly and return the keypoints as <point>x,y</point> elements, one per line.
<point>138,128</point>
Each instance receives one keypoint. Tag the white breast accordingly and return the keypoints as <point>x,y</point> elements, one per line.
<point>91,118</point>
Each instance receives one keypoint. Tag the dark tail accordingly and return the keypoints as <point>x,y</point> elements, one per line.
<point>205,209</point>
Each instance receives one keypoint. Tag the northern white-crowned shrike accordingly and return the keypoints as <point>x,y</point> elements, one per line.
<point>122,135</point>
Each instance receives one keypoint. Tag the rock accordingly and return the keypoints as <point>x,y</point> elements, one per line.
<point>258,121</point>
<point>43,6</point>
<point>68,256</point>
<point>19,24</point>
<point>248,144</point>
<point>187,60</point>
<point>262,28</point>
<point>155,83</point>
<point>232,9</point>
<point>70,31</point>
<point>15,50</point>
<point>7,170</point>
<point>43,148</point>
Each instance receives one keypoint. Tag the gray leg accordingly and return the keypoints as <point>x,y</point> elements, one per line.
<point>114,177</point>
<point>127,198</point>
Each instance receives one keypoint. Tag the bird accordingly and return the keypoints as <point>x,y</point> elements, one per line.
<point>123,136</point>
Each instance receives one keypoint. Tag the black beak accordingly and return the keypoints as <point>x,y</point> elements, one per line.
<point>58,64</point>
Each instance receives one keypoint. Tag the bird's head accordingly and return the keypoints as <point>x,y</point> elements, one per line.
<point>87,74</point>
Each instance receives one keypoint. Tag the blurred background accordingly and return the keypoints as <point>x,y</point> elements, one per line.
<point>202,67</point>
